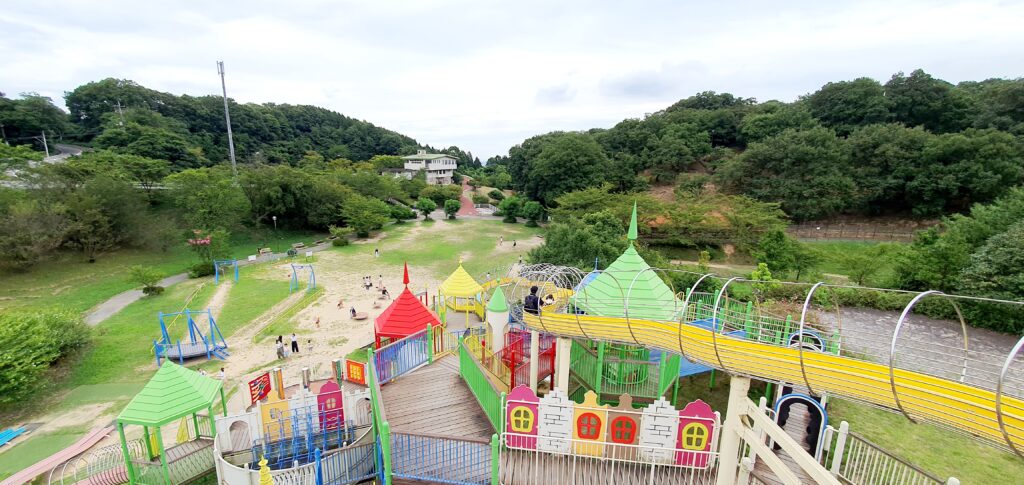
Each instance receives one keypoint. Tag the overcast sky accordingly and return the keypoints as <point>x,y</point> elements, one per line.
<point>485,75</point>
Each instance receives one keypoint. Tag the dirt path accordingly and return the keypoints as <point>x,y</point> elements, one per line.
<point>219,297</point>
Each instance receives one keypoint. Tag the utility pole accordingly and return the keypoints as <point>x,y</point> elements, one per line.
<point>120,112</point>
<point>45,146</point>
<point>227,119</point>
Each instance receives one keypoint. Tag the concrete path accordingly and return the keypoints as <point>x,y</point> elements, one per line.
<point>109,308</point>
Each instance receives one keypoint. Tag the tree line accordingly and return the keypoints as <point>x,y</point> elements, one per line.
<point>915,146</point>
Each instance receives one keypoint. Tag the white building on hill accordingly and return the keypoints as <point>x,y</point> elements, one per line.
<point>438,166</point>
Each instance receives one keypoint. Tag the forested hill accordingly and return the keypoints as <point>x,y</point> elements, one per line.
<point>190,132</point>
<point>916,146</point>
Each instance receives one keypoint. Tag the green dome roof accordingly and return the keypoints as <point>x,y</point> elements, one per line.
<point>497,303</point>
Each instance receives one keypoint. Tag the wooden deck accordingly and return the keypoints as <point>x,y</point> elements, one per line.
<point>433,401</point>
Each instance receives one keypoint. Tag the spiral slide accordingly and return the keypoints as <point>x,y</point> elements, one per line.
<point>980,412</point>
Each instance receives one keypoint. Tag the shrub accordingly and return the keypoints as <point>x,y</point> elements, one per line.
<point>481,199</point>
<point>510,208</point>
<point>532,211</point>
<point>32,341</point>
<point>496,194</point>
<point>199,270</point>
<point>400,213</point>
<point>451,207</point>
<point>147,278</point>
<point>340,242</point>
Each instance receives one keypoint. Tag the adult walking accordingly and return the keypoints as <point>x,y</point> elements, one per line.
<point>295,344</point>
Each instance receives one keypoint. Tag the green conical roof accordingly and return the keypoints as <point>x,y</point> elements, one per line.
<point>173,392</point>
<point>497,303</point>
<point>650,298</point>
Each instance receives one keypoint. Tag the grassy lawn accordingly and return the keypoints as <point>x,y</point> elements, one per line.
<point>833,252</point>
<point>36,448</point>
<point>78,285</point>
<point>285,323</point>
<point>935,450</point>
<point>124,343</point>
<point>473,239</point>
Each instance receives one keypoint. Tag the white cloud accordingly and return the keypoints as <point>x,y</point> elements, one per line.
<point>484,74</point>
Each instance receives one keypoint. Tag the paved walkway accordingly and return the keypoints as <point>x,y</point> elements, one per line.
<point>467,208</point>
<point>109,308</point>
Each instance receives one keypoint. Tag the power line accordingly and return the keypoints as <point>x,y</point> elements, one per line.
<point>227,118</point>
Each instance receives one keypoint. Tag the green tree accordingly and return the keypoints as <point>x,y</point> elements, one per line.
<point>208,198</point>
<point>846,105</point>
<point>441,193</point>
<point>577,241</point>
<point>451,207</point>
<point>104,214</point>
<point>546,167</point>
<point>510,208</point>
<point>778,251</point>
<point>30,230</point>
<point>772,119</point>
<point>365,214</point>
<point>401,213</point>
<point>861,266</point>
<point>921,100</point>
<point>532,211</point>
<point>426,206</point>
<point>996,269</point>
<point>807,171</point>
<point>496,195</point>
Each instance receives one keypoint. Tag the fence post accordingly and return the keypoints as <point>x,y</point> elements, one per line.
<point>385,438</point>
<point>495,460</point>
<point>430,344</point>
<point>319,467</point>
<point>837,454</point>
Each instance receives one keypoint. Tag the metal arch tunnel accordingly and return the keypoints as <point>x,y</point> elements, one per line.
<point>983,413</point>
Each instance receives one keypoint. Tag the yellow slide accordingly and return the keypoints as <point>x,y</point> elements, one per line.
<point>921,396</point>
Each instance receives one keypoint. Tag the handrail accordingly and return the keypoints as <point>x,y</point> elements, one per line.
<point>487,395</point>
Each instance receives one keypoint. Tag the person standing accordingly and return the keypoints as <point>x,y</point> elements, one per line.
<point>513,243</point>
<point>280,347</point>
<point>531,304</point>
<point>380,281</point>
<point>221,375</point>
<point>352,311</point>
<point>295,344</point>
<point>376,253</point>
<point>501,240</point>
<point>318,321</point>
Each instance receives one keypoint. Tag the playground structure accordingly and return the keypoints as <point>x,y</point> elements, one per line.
<point>405,316</point>
<point>173,393</point>
<point>221,263</point>
<point>470,407</point>
<point>211,344</point>
<point>461,293</point>
<point>296,284</point>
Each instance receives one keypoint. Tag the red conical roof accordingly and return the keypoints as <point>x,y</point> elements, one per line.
<point>405,316</point>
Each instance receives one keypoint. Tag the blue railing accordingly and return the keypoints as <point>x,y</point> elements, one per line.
<point>442,460</point>
<point>350,465</point>
<point>401,356</point>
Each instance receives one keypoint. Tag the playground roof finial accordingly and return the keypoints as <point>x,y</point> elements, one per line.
<point>405,275</point>
<point>632,225</point>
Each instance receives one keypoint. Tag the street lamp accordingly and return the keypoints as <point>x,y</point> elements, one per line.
<point>274,218</point>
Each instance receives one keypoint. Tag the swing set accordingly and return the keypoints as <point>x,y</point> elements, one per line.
<point>295,284</point>
<point>224,263</point>
<point>212,344</point>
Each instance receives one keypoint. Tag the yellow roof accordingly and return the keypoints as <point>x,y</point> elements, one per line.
<point>460,284</point>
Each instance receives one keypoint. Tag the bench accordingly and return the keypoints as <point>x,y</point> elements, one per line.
<point>266,251</point>
<point>298,245</point>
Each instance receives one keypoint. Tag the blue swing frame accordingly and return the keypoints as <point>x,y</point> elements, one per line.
<point>211,346</point>
<point>218,263</point>
<point>310,284</point>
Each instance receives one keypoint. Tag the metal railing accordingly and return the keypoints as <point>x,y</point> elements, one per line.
<point>438,459</point>
<point>349,465</point>
<point>488,360</point>
<point>856,460</point>
<point>402,356</point>
<point>491,400</point>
